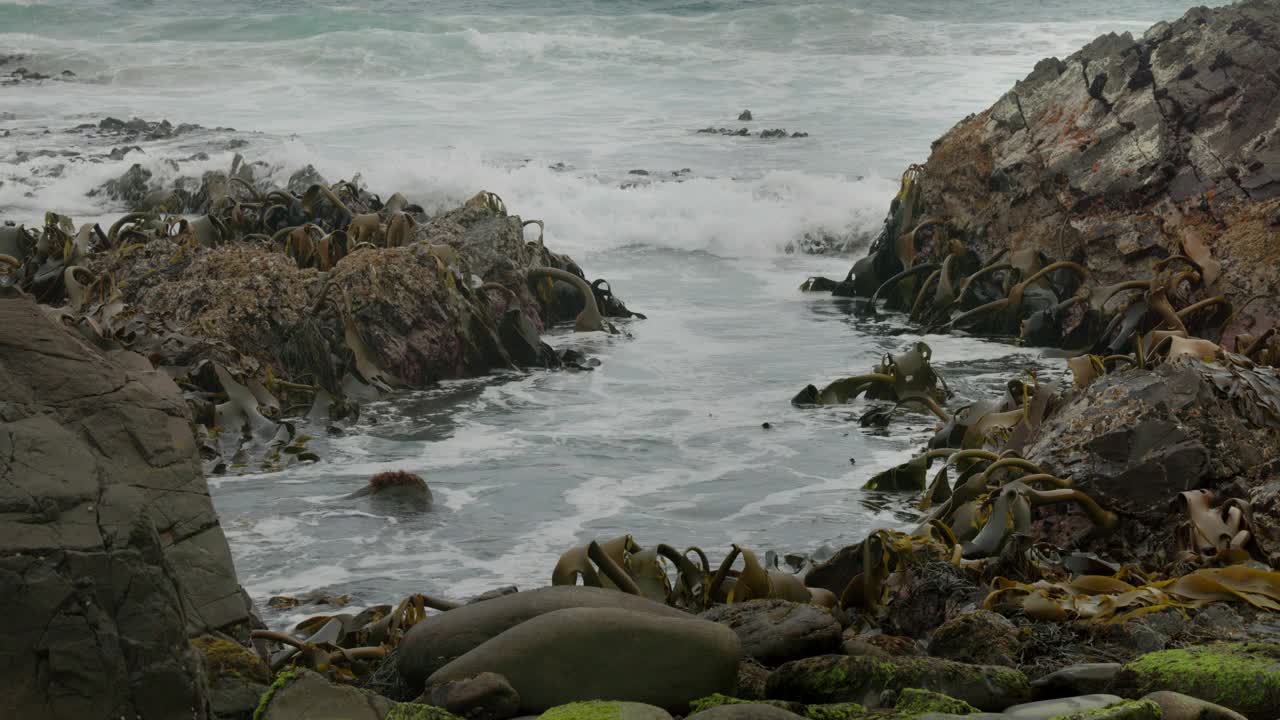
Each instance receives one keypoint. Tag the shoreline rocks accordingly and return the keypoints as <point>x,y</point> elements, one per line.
<point>108,538</point>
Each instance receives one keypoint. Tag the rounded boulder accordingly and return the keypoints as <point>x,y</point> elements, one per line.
<point>439,639</point>
<point>583,653</point>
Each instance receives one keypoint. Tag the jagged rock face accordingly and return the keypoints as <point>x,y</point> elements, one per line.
<point>1131,150</point>
<point>1134,440</point>
<point>110,550</point>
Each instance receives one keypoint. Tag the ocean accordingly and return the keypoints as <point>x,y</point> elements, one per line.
<point>583,114</point>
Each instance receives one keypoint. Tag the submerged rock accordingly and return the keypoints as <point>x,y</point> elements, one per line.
<point>590,653</point>
<point>397,486</point>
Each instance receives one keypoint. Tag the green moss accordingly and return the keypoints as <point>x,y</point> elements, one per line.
<point>224,657</point>
<point>416,711</point>
<point>716,700</point>
<point>1126,710</point>
<point>914,700</point>
<point>836,711</point>
<point>1244,677</point>
<point>590,710</point>
<point>281,680</point>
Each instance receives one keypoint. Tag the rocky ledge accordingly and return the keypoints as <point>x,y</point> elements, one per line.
<point>271,303</point>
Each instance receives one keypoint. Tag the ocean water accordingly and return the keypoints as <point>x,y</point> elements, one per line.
<point>553,105</point>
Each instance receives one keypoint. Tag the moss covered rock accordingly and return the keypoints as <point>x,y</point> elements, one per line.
<point>915,700</point>
<point>605,710</point>
<point>746,711</point>
<point>840,678</point>
<point>837,711</point>
<point>1244,677</point>
<point>718,699</point>
<point>1123,710</point>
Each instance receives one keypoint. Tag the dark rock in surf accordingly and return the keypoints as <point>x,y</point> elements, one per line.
<point>397,486</point>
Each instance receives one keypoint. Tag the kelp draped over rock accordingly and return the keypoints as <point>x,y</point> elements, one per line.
<point>1118,205</point>
<point>265,303</point>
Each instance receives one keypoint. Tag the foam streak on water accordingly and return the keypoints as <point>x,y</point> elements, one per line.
<point>551,105</point>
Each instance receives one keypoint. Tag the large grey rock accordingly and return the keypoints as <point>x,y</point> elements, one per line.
<point>308,696</point>
<point>1082,679</point>
<point>745,711</point>
<point>1046,709</point>
<point>1176,706</point>
<point>606,653</point>
<point>1131,149</point>
<point>110,550</point>
<point>436,641</point>
<point>1135,439</point>
<point>863,680</point>
<point>1244,677</point>
<point>776,631</point>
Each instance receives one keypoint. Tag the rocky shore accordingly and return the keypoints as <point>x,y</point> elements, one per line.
<point>1104,550</point>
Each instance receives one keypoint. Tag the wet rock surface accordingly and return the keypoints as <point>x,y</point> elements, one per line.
<point>982,638</point>
<point>863,680</point>
<point>108,533</point>
<point>570,655</point>
<point>775,631</point>
<point>487,696</point>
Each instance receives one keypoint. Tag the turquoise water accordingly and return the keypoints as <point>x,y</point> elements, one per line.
<point>552,105</point>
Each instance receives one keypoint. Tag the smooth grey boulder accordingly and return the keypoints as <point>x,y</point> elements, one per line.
<point>606,654</point>
<point>1082,679</point>
<point>776,631</point>
<point>1176,706</point>
<point>308,696</point>
<point>1046,709</point>
<point>745,711</point>
<point>110,550</point>
<point>436,641</point>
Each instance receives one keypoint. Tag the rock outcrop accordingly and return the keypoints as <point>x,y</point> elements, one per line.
<point>1131,150</point>
<point>111,554</point>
